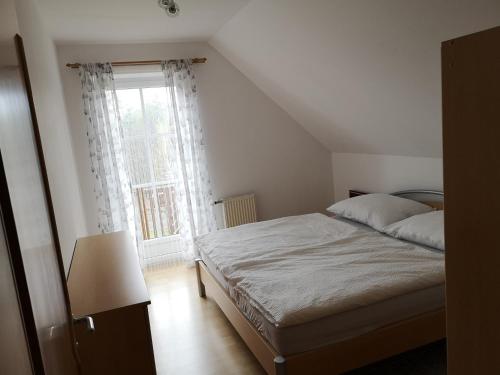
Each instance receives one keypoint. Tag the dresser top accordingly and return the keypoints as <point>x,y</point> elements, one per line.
<point>105,274</point>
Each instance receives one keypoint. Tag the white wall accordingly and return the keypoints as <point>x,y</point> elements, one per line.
<point>253,145</point>
<point>362,76</point>
<point>54,131</point>
<point>384,173</point>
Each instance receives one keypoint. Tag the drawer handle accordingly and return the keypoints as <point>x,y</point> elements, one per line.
<point>89,322</point>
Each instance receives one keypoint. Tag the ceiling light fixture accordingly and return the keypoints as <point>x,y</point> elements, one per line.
<point>170,7</point>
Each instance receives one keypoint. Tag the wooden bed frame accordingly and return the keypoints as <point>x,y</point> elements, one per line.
<point>331,359</point>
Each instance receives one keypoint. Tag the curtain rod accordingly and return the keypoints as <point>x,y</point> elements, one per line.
<point>196,60</point>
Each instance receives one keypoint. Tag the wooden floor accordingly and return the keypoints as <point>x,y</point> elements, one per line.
<point>191,336</point>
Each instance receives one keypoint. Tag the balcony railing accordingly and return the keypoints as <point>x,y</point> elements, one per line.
<point>157,210</point>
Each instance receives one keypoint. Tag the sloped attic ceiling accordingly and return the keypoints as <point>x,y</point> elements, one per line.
<point>360,75</point>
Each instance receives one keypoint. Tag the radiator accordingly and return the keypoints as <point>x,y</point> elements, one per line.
<point>239,210</point>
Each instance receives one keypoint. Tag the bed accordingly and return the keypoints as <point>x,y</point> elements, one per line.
<point>315,294</point>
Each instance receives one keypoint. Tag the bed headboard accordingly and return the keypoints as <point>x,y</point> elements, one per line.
<point>433,198</point>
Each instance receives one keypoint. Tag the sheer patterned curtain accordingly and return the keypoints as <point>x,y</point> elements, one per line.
<point>105,139</point>
<point>112,159</point>
<point>193,188</point>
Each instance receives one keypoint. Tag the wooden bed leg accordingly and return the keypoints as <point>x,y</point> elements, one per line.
<point>201,287</point>
<point>279,365</point>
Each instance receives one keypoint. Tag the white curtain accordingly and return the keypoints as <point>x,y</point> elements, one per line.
<point>105,139</point>
<point>109,156</point>
<point>193,189</point>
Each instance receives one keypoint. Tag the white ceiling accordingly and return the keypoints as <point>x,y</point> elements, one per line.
<point>125,21</point>
<point>360,75</point>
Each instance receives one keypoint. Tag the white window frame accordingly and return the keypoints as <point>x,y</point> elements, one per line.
<point>143,80</point>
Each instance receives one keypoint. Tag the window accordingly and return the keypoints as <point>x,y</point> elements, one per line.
<point>150,148</point>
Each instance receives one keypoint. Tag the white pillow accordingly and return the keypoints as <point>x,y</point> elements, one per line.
<point>378,210</point>
<point>425,229</point>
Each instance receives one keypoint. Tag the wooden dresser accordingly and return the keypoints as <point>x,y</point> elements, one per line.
<point>106,283</point>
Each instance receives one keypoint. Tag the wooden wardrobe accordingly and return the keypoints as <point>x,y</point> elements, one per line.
<point>471,136</point>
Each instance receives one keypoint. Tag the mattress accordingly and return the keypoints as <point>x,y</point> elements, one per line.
<point>308,281</point>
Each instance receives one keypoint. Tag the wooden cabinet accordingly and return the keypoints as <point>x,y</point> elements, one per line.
<point>471,135</point>
<point>106,283</point>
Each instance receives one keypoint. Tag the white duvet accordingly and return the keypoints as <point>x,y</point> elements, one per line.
<point>301,268</point>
